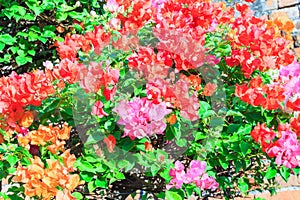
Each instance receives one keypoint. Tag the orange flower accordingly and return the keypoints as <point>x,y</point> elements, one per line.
<point>209,89</point>
<point>172,119</point>
<point>44,182</point>
<point>148,146</point>
<point>27,119</point>
<point>68,159</point>
<point>1,138</point>
<point>23,140</point>
<point>194,80</point>
<point>64,195</point>
<point>47,135</point>
<point>73,181</point>
<point>64,133</point>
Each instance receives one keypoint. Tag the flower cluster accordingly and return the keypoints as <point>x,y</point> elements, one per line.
<point>93,78</point>
<point>266,50</point>
<point>289,76</point>
<point>46,135</point>
<point>136,14</point>
<point>18,91</point>
<point>269,96</point>
<point>43,181</point>
<point>286,148</point>
<point>177,94</point>
<point>141,117</point>
<point>194,174</point>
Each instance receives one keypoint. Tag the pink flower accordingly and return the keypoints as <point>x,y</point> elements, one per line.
<point>111,5</point>
<point>195,174</point>
<point>178,174</point>
<point>197,168</point>
<point>213,25</point>
<point>207,182</point>
<point>98,109</point>
<point>286,150</point>
<point>141,117</point>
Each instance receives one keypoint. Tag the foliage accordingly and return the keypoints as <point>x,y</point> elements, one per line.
<point>29,29</point>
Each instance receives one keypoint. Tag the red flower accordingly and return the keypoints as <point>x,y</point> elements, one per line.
<point>263,135</point>
<point>295,125</point>
<point>148,146</point>
<point>110,142</point>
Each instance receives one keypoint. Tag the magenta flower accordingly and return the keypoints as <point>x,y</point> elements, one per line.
<point>141,117</point>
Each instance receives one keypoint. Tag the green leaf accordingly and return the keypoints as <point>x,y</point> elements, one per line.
<point>125,164</point>
<point>7,39</point>
<point>207,114</point>
<point>181,142</point>
<point>35,8</point>
<point>271,173</point>
<point>200,136</point>
<point>77,195</point>
<point>23,34</point>
<point>18,9</point>
<point>43,40</point>
<point>223,163</point>
<point>61,16</point>
<point>86,176</point>
<point>48,33</point>
<point>91,186</point>
<point>165,174</point>
<point>21,60</point>
<point>101,183</point>
<point>31,52</point>
<point>84,166</point>
<point>32,36</point>
<point>245,130</point>
<point>21,52</point>
<point>35,28</point>
<point>245,147</point>
<point>170,195</point>
<point>234,113</point>
<point>12,160</point>
<point>285,173</point>
<point>243,185</point>
<point>29,17</point>
<point>154,169</point>
<point>2,46</point>
<point>204,106</point>
<point>120,176</point>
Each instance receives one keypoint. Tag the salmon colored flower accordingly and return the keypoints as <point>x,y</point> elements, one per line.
<point>110,142</point>
<point>98,109</point>
<point>209,89</point>
<point>43,182</point>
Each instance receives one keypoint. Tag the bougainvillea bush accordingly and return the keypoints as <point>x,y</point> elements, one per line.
<point>168,99</point>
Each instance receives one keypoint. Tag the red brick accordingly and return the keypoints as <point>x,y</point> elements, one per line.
<point>297,52</point>
<point>292,12</point>
<point>271,5</point>
<point>284,3</point>
<point>297,24</point>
